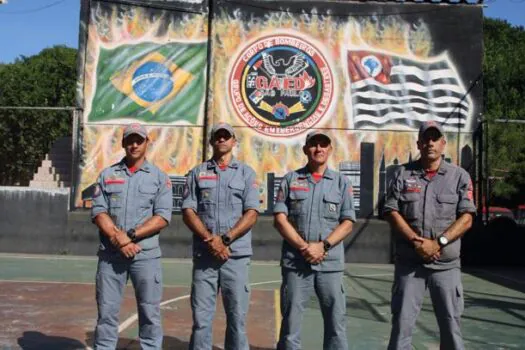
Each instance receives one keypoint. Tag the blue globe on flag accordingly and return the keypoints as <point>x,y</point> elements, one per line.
<point>152,81</point>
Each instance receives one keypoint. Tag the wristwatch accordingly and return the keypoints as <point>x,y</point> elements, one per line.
<point>442,241</point>
<point>327,245</point>
<point>132,234</point>
<point>226,240</point>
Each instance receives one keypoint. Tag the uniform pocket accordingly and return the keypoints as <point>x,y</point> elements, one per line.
<point>460,304</point>
<point>236,187</point>
<point>207,189</point>
<point>115,200</point>
<point>147,194</point>
<point>297,201</point>
<point>446,206</point>
<point>332,206</point>
<point>409,205</point>
<point>395,303</point>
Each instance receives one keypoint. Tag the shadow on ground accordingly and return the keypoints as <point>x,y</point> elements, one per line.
<point>33,340</point>
<point>171,343</point>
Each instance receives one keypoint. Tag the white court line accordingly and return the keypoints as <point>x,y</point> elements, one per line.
<point>48,282</point>
<point>371,275</point>
<point>130,320</point>
<point>47,256</point>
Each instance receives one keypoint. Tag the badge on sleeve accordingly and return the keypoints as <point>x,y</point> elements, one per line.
<point>97,192</point>
<point>470,191</point>
<point>186,191</point>
<point>331,207</point>
<point>280,195</point>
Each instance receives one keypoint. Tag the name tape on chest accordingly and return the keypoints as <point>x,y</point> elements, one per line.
<point>114,179</point>
<point>208,175</point>
<point>411,186</point>
<point>301,184</point>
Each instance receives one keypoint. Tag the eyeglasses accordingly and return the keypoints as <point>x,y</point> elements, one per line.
<point>320,143</point>
<point>221,135</point>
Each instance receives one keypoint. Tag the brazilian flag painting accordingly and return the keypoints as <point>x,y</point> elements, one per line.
<point>153,83</point>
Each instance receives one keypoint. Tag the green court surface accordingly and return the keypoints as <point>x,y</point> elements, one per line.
<point>48,302</point>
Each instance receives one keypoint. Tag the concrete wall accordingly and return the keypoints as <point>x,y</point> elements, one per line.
<point>33,220</point>
<point>37,221</point>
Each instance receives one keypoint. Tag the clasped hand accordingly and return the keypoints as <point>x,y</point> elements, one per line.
<point>217,248</point>
<point>428,249</point>
<point>124,244</point>
<point>314,253</point>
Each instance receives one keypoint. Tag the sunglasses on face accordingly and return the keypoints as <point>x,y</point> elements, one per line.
<point>320,143</point>
<point>128,141</point>
<point>221,135</point>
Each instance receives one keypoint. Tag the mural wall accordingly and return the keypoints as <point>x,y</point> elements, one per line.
<point>366,73</point>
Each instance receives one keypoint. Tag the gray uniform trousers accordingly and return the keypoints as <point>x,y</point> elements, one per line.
<point>146,276</point>
<point>446,292</point>
<point>232,278</point>
<point>296,291</point>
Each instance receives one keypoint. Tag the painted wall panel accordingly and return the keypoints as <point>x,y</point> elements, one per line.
<point>367,73</point>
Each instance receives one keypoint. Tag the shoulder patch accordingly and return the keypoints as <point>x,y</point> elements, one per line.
<point>470,191</point>
<point>97,191</point>
<point>280,195</point>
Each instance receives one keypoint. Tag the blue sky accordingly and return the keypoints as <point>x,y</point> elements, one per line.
<point>28,26</point>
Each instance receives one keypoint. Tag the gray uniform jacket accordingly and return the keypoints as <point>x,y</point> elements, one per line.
<point>131,199</point>
<point>430,206</point>
<point>315,210</point>
<point>220,198</point>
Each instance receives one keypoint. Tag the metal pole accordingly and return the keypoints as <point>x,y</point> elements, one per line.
<point>478,149</point>
<point>208,88</point>
<point>75,158</point>
<point>487,171</point>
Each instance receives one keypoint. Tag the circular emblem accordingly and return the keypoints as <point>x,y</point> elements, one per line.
<point>372,65</point>
<point>152,81</point>
<point>281,85</point>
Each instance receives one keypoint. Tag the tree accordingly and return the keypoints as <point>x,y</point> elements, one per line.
<point>504,97</point>
<point>47,79</point>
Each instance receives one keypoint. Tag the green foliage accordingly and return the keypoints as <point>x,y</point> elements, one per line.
<point>504,97</point>
<point>47,79</point>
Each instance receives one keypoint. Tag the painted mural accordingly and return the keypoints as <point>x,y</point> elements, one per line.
<point>142,64</point>
<point>366,73</point>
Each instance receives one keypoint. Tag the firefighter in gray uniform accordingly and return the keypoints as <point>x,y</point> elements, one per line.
<point>221,204</point>
<point>132,202</point>
<point>314,212</point>
<point>429,207</point>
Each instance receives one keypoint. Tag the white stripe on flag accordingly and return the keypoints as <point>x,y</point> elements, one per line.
<point>422,74</point>
<point>381,106</point>
<point>409,115</point>
<point>383,96</point>
<point>408,86</point>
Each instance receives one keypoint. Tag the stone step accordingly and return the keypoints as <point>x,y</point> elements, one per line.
<point>55,170</point>
<point>51,177</point>
<point>63,164</point>
<point>48,184</point>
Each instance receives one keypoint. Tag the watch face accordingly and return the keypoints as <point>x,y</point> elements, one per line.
<point>443,240</point>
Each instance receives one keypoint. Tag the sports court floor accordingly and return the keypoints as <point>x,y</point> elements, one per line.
<point>48,303</point>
